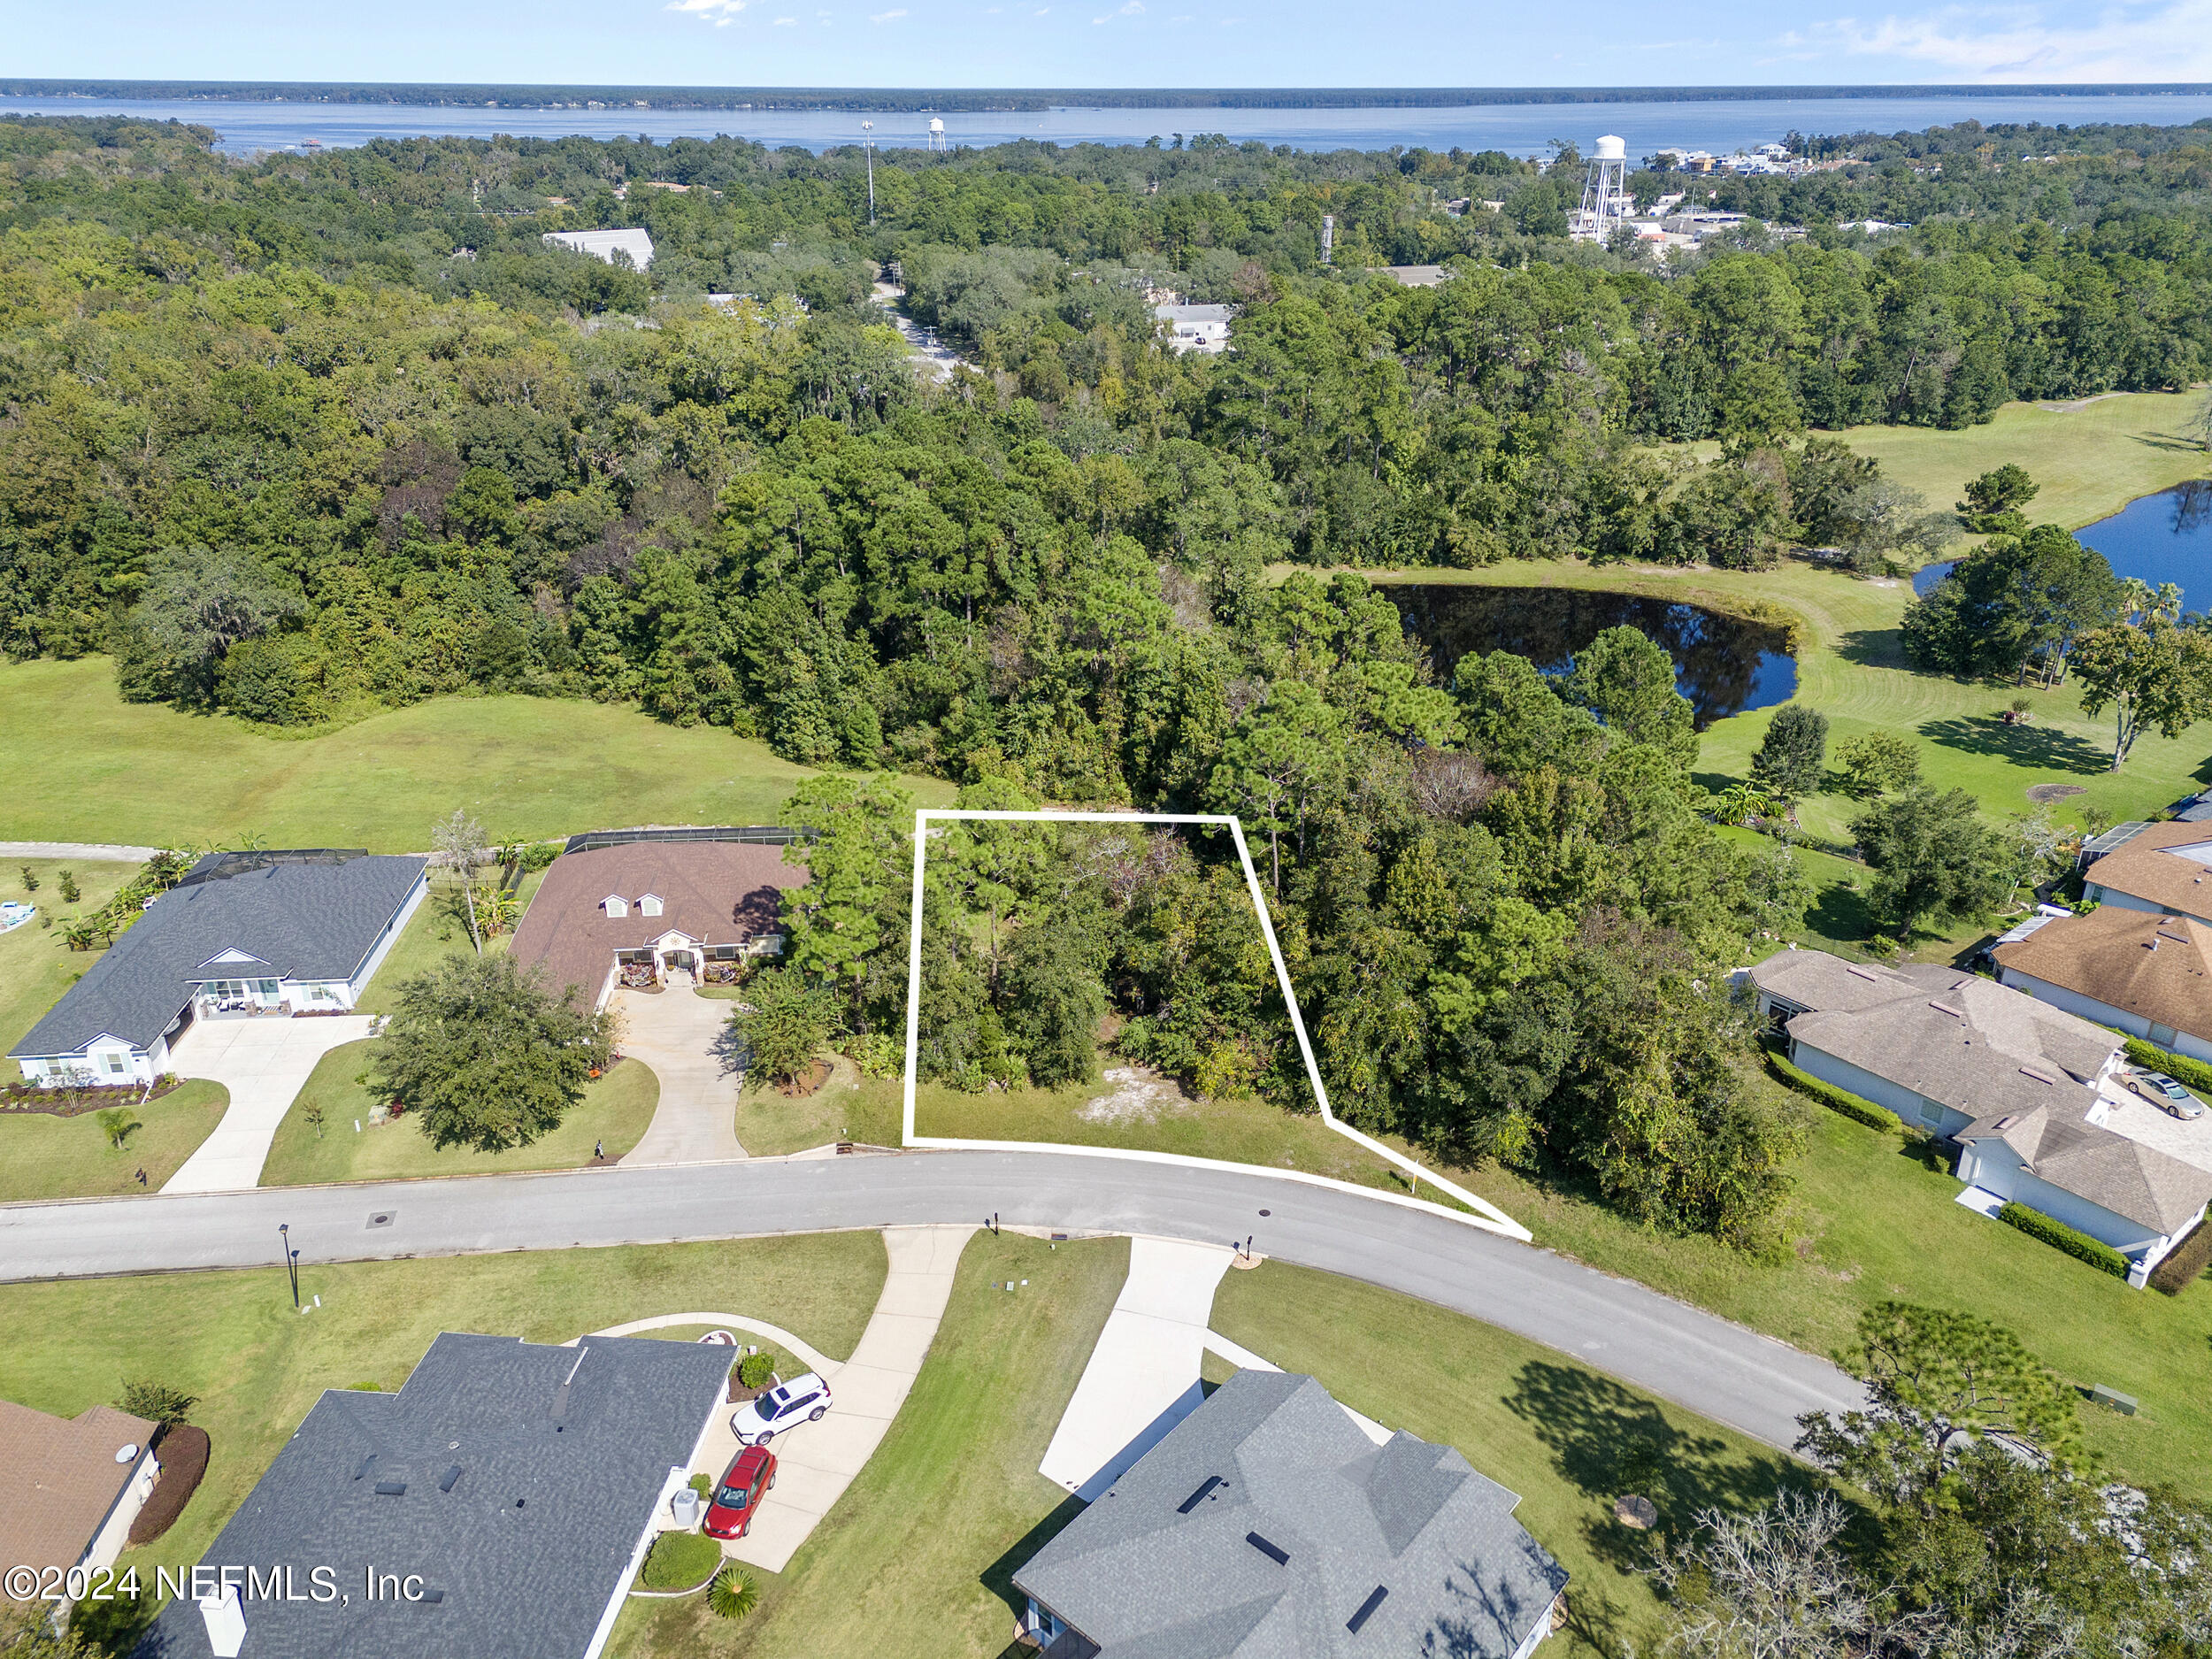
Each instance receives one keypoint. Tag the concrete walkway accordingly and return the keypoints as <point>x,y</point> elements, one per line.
<point>263,1063</point>
<point>807,1354</point>
<point>1142,1377</point>
<point>676,1033</point>
<point>815,1462</point>
<point>91,852</point>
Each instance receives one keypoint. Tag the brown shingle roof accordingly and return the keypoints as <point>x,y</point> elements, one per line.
<point>59,1479</point>
<point>2125,1176</point>
<point>718,893</point>
<point>2159,967</point>
<point>2150,868</point>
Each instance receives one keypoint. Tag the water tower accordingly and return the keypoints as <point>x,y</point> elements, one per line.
<point>937,132</point>
<point>1605,190</point>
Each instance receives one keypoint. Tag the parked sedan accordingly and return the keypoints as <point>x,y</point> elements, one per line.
<point>2169,1095</point>
<point>737,1496</point>
<point>802,1399</point>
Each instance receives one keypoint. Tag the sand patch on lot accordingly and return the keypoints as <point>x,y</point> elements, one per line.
<point>1134,1094</point>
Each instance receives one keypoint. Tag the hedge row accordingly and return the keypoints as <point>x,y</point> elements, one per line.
<point>1828,1094</point>
<point>2180,1067</point>
<point>2059,1236</point>
<point>2185,1263</point>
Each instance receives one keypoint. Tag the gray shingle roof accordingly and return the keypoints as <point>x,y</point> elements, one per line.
<point>305,920</point>
<point>1147,1573</point>
<point>556,1485</point>
<point>2111,1170</point>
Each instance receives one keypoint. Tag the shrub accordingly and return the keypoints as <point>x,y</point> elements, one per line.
<point>70,891</point>
<point>157,1402</point>
<point>2059,1236</point>
<point>704,1484</point>
<point>2180,1067</point>
<point>755,1369</point>
<point>2185,1263</point>
<point>1835,1099</point>
<point>733,1594</point>
<point>680,1561</point>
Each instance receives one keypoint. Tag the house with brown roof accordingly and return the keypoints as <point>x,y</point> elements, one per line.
<point>2014,1080</point>
<point>70,1487</point>
<point>2165,869</point>
<point>642,911</point>
<point>2150,975</point>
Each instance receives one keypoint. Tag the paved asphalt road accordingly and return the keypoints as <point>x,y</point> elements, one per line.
<point>1720,1370</point>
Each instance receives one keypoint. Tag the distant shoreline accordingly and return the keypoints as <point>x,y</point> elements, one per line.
<point>1007,100</point>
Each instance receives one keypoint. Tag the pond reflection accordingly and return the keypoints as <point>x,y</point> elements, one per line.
<point>1722,664</point>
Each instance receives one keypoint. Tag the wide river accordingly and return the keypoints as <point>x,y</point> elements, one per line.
<point>1521,129</point>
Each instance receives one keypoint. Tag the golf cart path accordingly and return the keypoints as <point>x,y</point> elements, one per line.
<point>815,1462</point>
<point>263,1064</point>
<point>673,1033</point>
<point>91,852</point>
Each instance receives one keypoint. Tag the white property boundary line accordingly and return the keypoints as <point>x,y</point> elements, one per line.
<point>1487,1216</point>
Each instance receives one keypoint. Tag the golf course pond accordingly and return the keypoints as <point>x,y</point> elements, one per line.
<point>2163,538</point>
<point>1722,664</point>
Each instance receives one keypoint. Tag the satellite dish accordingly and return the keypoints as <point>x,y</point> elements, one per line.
<point>128,1454</point>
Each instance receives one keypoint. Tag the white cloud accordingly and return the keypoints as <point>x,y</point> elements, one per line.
<point>1134,8</point>
<point>885,17</point>
<point>2129,40</point>
<point>709,10</point>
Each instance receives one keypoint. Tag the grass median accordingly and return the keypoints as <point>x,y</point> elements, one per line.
<point>318,1141</point>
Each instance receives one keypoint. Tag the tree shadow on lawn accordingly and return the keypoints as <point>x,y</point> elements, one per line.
<point>1873,648</point>
<point>1607,1442</point>
<point>998,1577</point>
<point>2042,747</point>
<point>1840,913</point>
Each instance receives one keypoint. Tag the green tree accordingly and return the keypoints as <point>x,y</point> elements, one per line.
<point>733,1594</point>
<point>199,601</point>
<point>1933,857</point>
<point>1875,761</point>
<point>1935,1383</point>
<point>848,920</point>
<point>1629,683</point>
<point>1994,501</point>
<point>459,846</point>
<point>1789,758</point>
<point>156,1403</point>
<point>117,1123</point>
<point>783,1023</point>
<point>1054,999</point>
<point>1279,757</point>
<point>2153,675</point>
<point>487,1055</point>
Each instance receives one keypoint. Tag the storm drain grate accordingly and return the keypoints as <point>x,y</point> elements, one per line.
<point>382,1218</point>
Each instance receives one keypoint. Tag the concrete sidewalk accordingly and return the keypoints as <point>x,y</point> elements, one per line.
<point>91,852</point>
<point>674,1032</point>
<point>815,1462</point>
<point>1142,1377</point>
<point>263,1063</point>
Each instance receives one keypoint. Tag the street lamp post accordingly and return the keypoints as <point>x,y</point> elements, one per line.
<point>868,146</point>
<point>291,1261</point>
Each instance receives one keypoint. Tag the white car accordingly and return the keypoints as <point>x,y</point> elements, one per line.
<point>802,1399</point>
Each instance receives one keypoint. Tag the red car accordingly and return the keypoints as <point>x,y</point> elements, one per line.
<point>737,1498</point>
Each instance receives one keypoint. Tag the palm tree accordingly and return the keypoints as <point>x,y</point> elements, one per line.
<point>460,846</point>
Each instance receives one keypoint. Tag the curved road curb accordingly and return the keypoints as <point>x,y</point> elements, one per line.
<point>1750,1382</point>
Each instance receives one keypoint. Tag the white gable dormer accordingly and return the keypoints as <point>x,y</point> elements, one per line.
<point>615,905</point>
<point>649,905</point>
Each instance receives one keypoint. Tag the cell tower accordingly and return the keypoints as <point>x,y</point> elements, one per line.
<point>937,132</point>
<point>1605,201</point>
<point>1328,238</point>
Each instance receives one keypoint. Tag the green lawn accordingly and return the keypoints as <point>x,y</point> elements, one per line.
<point>616,1109</point>
<point>1569,1441</point>
<point>1871,1220</point>
<point>232,1338</point>
<point>45,1156</point>
<point>34,967</point>
<point>916,1560</point>
<point>85,765</point>
<point>438,929</point>
<point>1233,1131</point>
<point>848,1107</point>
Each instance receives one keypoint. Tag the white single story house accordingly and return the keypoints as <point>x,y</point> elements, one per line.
<point>242,935</point>
<point>2148,974</point>
<point>2013,1079</point>
<point>1196,328</point>
<point>2165,869</point>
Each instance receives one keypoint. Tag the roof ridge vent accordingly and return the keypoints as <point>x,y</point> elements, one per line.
<point>1863,973</point>
<point>1366,1609</point>
<point>2039,1073</point>
<point>1952,1009</point>
<point>1196,1498</point>
<point>1275,1552</point>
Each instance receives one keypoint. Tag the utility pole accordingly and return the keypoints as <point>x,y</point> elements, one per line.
<point>291,1261</point>
<point>868,145</point>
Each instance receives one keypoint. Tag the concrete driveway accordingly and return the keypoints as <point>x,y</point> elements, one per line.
<point>678,1034</point>
<point>263,1063</point>
<point>2132,1115</point>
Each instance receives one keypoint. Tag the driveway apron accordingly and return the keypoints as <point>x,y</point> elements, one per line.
<point>676,1035</point>
<point>263,1063</point>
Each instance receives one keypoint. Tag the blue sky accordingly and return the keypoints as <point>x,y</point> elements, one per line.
<point>1116,42</point>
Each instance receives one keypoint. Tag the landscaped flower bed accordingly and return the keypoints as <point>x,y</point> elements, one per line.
<point>680,1563</point>
<point>74,1102</point>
